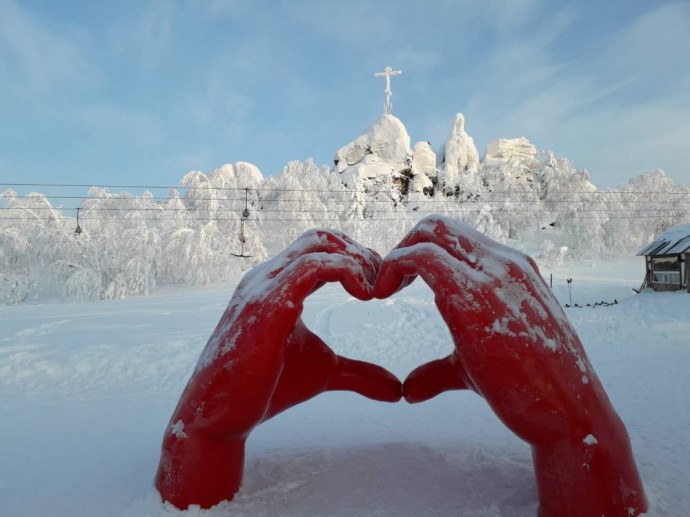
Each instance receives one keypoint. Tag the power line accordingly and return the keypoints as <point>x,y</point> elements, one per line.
<point>287,220</point>
<point>684,191</point>
<point>262,201</point>
<point>336,212</point>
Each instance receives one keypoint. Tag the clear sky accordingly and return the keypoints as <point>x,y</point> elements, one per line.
<point>141,92</point>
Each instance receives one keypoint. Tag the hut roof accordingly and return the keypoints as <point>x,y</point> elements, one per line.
<point>673,241</point>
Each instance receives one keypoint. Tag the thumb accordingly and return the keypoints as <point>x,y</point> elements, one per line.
<point>369,380</point>
<point>435,377</point>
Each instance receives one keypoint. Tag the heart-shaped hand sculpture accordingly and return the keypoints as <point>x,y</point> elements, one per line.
<point>514,346</point>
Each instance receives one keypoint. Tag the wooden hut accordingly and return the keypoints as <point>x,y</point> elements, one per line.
<point>667,260</point>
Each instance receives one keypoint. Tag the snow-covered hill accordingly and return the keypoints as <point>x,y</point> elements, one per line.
<point>380,187</point>
<point>86,391</point>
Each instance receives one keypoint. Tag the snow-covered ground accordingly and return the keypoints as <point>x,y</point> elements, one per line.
<point>86,391</point>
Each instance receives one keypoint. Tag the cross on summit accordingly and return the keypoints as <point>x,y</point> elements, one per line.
<point>387,72</point>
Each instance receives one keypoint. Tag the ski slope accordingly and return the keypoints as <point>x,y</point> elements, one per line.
<point>86,391</point>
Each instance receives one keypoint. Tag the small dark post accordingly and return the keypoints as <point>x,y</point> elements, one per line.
<point>77,230</point>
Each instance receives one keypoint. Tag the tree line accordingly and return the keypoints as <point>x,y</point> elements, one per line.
<point>200,234</point>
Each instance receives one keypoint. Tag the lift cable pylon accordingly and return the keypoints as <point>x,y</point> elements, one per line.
<point>245,216</point>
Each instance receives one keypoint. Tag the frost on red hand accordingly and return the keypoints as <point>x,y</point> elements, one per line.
<point>515,347</point>
<point>260,360</point>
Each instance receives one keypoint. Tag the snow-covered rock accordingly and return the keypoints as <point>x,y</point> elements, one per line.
<point>516,157</point>
<point>504,149</point>
<point>367,172</point>
<point>386,139</point>
<point>424,160</point>
<point>420,182</point>
<point>458,154</point>
<point>381,152</point>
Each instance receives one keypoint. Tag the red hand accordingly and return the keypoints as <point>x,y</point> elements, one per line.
<point>516,348</point>
<point>260,360</point>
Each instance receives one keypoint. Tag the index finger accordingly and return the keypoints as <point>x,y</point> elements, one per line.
<point>313,241</point>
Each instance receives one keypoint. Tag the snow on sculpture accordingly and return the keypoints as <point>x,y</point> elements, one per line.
<point>515,347</point>
<point>261,360</point>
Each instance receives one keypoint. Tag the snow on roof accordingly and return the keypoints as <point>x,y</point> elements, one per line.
<point>673,241</point>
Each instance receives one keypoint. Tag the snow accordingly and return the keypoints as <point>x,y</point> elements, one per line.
<point>382,151</point>
<point>386,138</point>
<point>590,439</point>
<point>672,241</point>
<point>424,160</point>
<point>87,390</point>
<point>367,172</point>
<point>178,429</point>
<point>244,174</point>
<point>458,154</point>
<point>507,148</point>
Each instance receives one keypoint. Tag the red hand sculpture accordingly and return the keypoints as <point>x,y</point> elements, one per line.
<point>261,360</point>
<point>515,347</point>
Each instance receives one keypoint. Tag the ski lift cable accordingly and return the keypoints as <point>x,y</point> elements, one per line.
<point>335,219</point>
<point>419,210</point>
<point>160,203</point>
<point>350,191</point>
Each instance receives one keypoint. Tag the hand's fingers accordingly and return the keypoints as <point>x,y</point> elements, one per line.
<point>435,377</point>
<point>333,241</point>
<point>299,279</point>
<point>480,253</point>
<point>441,271</point>
<point>312,241</point>
<point>399,269</point>
<point>369,380</point>
<point>442,231</point>
<point>465,243</point>
<point>431,230</point>
<point>455,231</point>
<point>372,256</point>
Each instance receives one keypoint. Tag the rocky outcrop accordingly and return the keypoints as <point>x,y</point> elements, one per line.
<point>379,154</point>
<point>458,154</point>
<point>504,149</point>
<point>515,156</point>
<point>456,157</point>
<point>386,139</point>
<point>424,160</point>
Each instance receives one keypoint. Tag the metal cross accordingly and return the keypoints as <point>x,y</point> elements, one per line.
<point>387,72</point>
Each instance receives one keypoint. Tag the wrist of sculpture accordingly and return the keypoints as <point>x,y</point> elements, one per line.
<point>591,474</point>
<point>199,469</point>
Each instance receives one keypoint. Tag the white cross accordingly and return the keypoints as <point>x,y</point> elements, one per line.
<point>387,72</point>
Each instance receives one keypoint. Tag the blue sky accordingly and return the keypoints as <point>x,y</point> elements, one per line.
<point>141,92</point>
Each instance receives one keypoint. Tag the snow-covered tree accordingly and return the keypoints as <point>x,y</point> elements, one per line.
<point>129,243</point>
